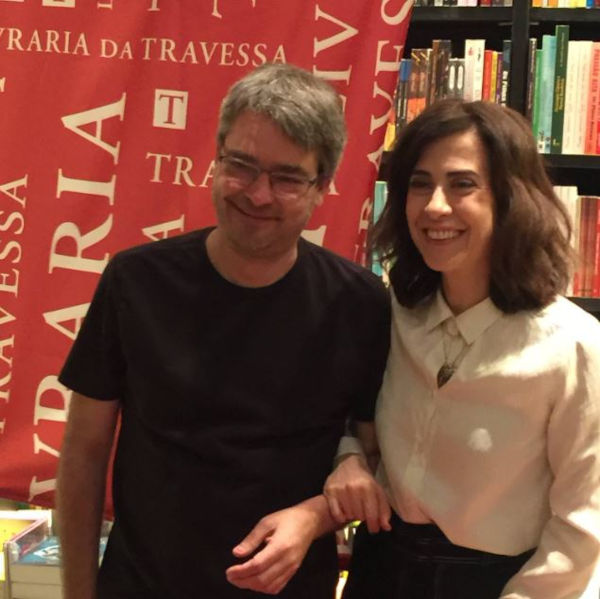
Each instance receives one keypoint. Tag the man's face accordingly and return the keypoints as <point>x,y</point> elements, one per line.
<point>255,219</point>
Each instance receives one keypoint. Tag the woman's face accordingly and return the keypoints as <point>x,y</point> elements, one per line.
<point>450,207</point>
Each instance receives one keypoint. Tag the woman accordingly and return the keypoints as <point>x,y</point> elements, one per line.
<point>488,419</point>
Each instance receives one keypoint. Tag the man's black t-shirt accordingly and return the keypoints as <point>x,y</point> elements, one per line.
<point>233,402</point>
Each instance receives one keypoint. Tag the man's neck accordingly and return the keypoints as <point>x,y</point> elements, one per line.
<point>246,270</point>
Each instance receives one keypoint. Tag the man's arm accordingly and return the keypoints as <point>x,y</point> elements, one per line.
<point>80,490</point>
<point>287,534</point>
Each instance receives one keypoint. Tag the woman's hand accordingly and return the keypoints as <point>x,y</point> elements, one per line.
<point>353,494</point>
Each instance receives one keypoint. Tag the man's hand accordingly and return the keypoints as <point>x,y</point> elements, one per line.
<point>286,535</point>
<point>354,494</point>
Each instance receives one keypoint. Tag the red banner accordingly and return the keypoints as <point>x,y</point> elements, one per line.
<point>108,111</point>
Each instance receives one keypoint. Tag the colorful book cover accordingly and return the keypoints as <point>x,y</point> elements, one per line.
<point>488,74</point>
<point>591,215</point>
<point>440,55</point>
<point>41,565</point>
<point>593,112</point>
<point>596,289</point>
<point>506,59</point>
<point>402,93</point>
<point>537,87</point>
<point>390,128</point>
<point>451,87</point>
<point>19,531</point>
<point>583,93</point>
<point>531,64</point>
<point>474,58</point>
<point>546,92</point>
<point>579,277</point>
<point>456,77</point>
<point>460,78</point>
<point>424,64</point>
<point>413,87</point>
<point>571,100</point>
<point>379,198</point>
<point>561,33</point>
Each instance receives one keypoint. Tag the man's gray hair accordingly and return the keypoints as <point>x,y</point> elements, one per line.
<point>307,109</point>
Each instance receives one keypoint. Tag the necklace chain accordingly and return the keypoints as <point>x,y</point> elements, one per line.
<point>449,367</point>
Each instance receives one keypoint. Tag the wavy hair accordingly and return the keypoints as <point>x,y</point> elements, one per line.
<point>530,253</point>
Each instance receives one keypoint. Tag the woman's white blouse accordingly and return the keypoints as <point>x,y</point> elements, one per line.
<point>506,455</point>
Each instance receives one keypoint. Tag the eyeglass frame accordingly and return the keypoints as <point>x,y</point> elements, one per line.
<point>259,170</point>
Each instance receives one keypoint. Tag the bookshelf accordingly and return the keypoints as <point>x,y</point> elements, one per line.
<point>587,16</point>
<point>517,23</point>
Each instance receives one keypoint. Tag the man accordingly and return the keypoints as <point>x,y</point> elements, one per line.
<point>234,356</point>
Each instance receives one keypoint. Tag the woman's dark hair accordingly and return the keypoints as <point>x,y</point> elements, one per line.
<point>530,254</point>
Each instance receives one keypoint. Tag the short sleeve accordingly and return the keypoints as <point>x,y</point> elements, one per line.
<point>95,366</point>
<point>376,343</point>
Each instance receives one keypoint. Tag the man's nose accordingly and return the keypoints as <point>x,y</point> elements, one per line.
<point>259,191</point>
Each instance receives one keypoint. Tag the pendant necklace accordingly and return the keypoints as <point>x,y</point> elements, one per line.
<point>449,367</point>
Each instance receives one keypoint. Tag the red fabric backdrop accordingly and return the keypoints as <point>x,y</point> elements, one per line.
<point>108,110</point>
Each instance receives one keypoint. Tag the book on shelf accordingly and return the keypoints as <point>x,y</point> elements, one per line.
<point>584,213</point>
<point>423,58</point>
<point>33,562</point>
<point>412,101</point>
<point>441,50</point>
<point>504,60</point>
<point>31,590</point>
<point>431,74</point>
<point>456,77</point>
<point>560,74</point>
<point>537,86</point>
<point>546,93</point>
<point>582,98</point>
<point>592,139</point>
<point>570,116</point>
<point>489,68</point>
<point>589,220</point>
<point>531,64</point>
<point>583,93</point>
<point>402,92</point>
<point>14,523</point>
<point>474,61</point>
<point>379,199</point>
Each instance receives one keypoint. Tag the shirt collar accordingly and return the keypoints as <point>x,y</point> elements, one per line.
<point>471,323</point>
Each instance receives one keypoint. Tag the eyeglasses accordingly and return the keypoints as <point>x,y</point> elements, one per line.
<point>286,186</point>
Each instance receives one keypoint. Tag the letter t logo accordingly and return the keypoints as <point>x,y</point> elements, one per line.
<point>170,108</point>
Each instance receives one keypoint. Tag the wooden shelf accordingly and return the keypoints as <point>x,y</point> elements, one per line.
<point>442,14</point>
<point>564,15</point>
<point>579,161</point>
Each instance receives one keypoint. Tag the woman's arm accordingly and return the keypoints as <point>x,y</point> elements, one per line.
<point>569,547</point>
<point>351,489</point>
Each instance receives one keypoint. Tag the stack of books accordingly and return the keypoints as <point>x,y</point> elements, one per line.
<point>585,218</point>
<point>431,74</point>
<point>563,93</point>
<point>32,560</point>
